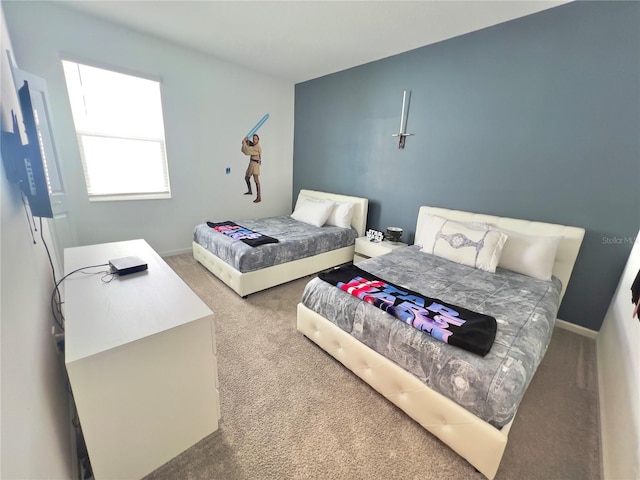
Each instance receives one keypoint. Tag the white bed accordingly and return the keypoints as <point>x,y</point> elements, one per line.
<point>250,282</point>
<point>476,440</point>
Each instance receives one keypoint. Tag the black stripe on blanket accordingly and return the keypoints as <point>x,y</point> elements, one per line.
<point>448,323</point>
<point>238,232</point>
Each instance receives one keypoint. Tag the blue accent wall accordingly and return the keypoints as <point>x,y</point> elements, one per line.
<point>537,118</point>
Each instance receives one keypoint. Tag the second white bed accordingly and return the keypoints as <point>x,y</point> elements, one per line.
<point>246,283</point>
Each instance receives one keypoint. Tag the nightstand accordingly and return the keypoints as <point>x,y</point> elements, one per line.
<point>366,249</point>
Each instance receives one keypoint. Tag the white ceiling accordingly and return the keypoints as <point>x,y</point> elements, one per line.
<point>301,40</point>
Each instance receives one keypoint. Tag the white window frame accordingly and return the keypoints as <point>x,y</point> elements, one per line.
<point>87,129</point>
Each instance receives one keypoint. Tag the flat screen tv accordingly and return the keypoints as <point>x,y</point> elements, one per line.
<point>24,164</point>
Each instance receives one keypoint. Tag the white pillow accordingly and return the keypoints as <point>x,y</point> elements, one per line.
<point>310,210</point>
<point>341,215</point>
<point>478,247</point>
<point>529,254</point>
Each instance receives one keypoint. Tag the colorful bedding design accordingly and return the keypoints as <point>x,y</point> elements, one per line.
<point>238,232</point>
<point>457,326</point>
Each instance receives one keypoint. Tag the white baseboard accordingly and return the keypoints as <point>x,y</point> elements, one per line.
<point>572,327</point>
<point>171,253</point>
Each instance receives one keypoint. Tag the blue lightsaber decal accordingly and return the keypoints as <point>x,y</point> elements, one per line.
<point>258,125</point>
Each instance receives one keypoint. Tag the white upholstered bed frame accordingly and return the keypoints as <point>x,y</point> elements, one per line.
<point>480,443</point>
<point>246,283</point>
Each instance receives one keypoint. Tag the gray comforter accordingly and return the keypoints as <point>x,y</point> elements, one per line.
<point>490,387</point>
<point>296,240</point>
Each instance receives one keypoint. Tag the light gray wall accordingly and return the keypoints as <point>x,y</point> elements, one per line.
<point>35,436</point>
<point>209,105</point>
<point>537,118</point>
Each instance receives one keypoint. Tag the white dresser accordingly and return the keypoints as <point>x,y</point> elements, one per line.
<point>140,352</point>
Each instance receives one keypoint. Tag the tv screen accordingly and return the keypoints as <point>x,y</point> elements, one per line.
<point>32,168</point>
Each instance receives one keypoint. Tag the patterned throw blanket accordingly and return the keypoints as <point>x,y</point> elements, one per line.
<point>448,323</point>
<point>238,232</point>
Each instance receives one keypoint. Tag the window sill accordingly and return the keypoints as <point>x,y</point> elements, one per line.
<point>129,196</point>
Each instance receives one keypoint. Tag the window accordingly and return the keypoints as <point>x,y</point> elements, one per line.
<point>120,129</point>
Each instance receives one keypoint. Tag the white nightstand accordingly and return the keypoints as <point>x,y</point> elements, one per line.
<point>366,249</point>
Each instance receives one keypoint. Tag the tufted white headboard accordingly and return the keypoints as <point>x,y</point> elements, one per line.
<point>361,206</point>
<point>567,249</point>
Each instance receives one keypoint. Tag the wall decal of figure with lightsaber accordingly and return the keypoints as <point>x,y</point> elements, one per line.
<point>251,146</point>
<point>257,126</point>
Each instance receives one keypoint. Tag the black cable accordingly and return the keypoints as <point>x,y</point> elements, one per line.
<point>53,275</point>
<point>53,270</point>
<point>26,212</point>
<point>55,306</point>
<point>59,321</point>
<point>107,274</point>
<point>81,268</point>
<point>53,312</point>
<point>56,290</point>
<point>59,303</point>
